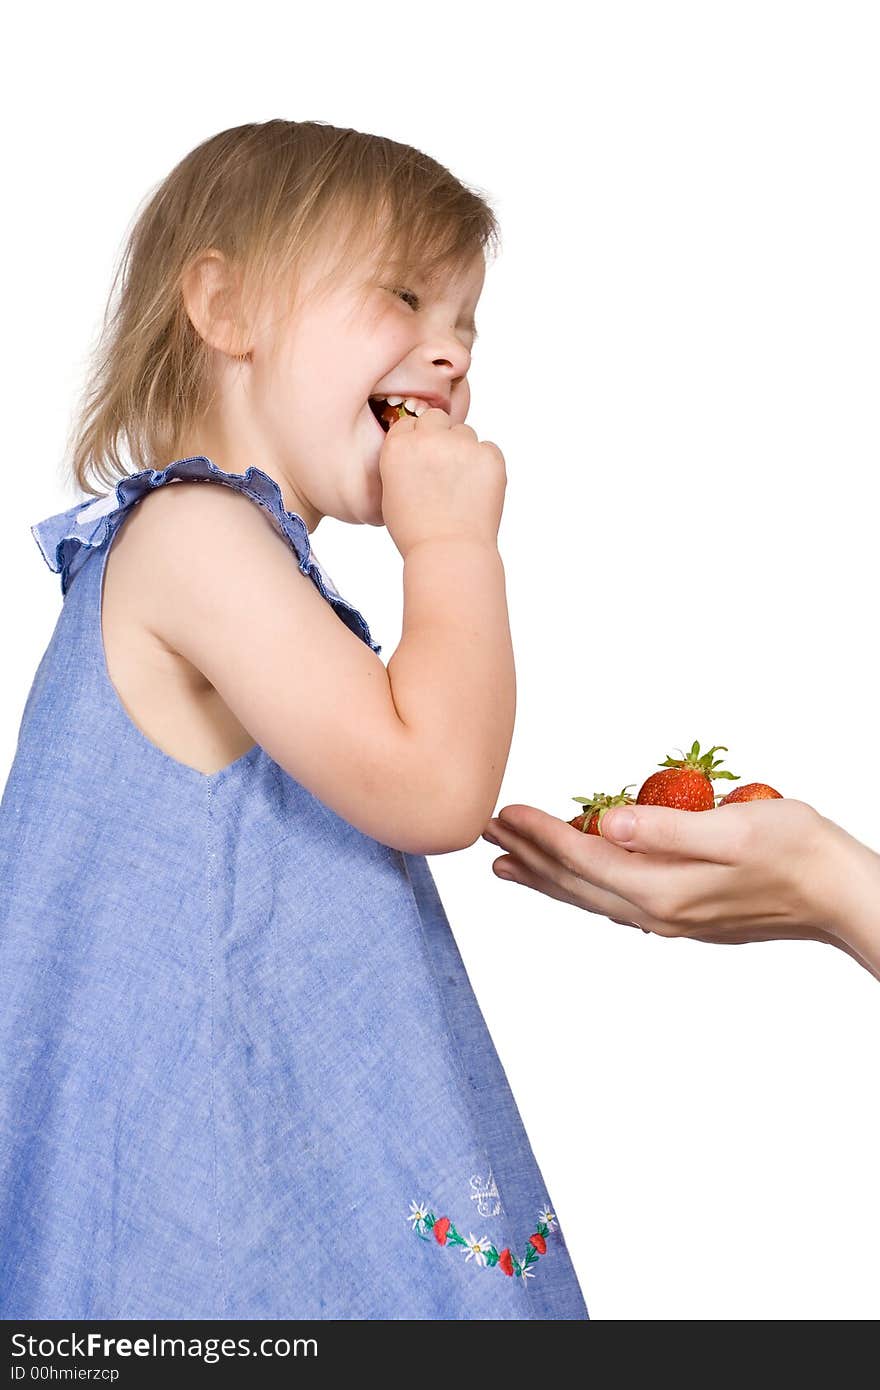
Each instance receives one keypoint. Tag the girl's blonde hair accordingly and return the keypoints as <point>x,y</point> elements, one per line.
<point>269,197</point>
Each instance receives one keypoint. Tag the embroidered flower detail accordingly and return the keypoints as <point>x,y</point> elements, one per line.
<point>477,1249</point>
<point>441,1229</point>
<point>417,1213</point>
<point>546,1218</point>
<point>482,1251</point>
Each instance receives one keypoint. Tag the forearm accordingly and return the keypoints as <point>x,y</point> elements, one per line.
<point>850,906</point>
<point>452,676</point>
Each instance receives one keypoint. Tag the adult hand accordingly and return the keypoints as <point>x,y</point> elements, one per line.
<point>750,871</point>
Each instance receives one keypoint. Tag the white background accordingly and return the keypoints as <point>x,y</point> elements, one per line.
<point>678,357</point>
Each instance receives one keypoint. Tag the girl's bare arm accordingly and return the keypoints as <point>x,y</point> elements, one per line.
<point>452,676</point>
<point>412,756</point>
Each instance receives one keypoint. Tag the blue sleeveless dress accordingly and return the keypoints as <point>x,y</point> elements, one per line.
<point>243,1073</point>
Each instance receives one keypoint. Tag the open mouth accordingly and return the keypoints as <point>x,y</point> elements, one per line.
<point>386,414</point>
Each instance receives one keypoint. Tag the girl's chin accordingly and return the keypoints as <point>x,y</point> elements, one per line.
<point>373,497</point>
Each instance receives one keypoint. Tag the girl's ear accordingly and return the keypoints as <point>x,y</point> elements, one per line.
<point>212,297</point>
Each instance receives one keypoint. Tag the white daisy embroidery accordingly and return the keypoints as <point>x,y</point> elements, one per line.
<point>417,1214</point>
<point>441,1229</point>
<point>476,1248</point>
<point>546,1215</point>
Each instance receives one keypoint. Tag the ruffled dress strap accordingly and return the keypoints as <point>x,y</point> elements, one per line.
<point>67,539</point>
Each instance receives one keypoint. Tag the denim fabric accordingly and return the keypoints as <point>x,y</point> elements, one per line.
<point>244,1073</point>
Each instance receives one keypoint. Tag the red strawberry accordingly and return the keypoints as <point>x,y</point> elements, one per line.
<point>685,782</point>
<point>539,1243</point>
<point>441,1229</point>
<point>752,791</point>
<point>505,1262</point>
<point>390,414</point>
<point>590,819</point>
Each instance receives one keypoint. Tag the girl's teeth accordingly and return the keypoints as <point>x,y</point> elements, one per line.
<point>413,404</point>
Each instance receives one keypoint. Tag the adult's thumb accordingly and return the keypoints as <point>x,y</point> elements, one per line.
<point>709,834</point>
<point>619,825</point>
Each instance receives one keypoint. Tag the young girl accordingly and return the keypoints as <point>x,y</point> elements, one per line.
<point>245,1074</point>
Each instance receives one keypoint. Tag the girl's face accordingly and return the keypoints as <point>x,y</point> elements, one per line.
<point>305,398</point>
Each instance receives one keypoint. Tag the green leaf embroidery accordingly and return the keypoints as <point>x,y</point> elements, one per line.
<point>490,1254</point>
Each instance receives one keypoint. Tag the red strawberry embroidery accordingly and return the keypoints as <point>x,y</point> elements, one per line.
<point>480,1249</point>
<point>441,1229</point>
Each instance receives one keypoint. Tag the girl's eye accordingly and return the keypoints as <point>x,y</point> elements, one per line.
<point>411,295</point>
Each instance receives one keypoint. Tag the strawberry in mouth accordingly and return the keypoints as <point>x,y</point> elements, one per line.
<point>387,409</point>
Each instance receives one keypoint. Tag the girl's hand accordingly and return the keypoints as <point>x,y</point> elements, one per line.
<point>440,480</point>
<point>751,871</point>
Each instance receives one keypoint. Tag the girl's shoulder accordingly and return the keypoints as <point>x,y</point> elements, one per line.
<point>89,525</point>
<point>66,539</point>
<point>168,698</point>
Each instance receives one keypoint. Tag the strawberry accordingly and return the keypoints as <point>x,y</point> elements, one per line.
<point>685,782</point>
<point>752,791</point>
<point>441,1229</point>
<point>590,819</point>
<point>390,414</point>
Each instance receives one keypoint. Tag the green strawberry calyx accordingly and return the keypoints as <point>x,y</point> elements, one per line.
<point>601,802</point>
<point>702,762</point>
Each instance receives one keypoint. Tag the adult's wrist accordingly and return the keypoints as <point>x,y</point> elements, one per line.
<point>850,895</point>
